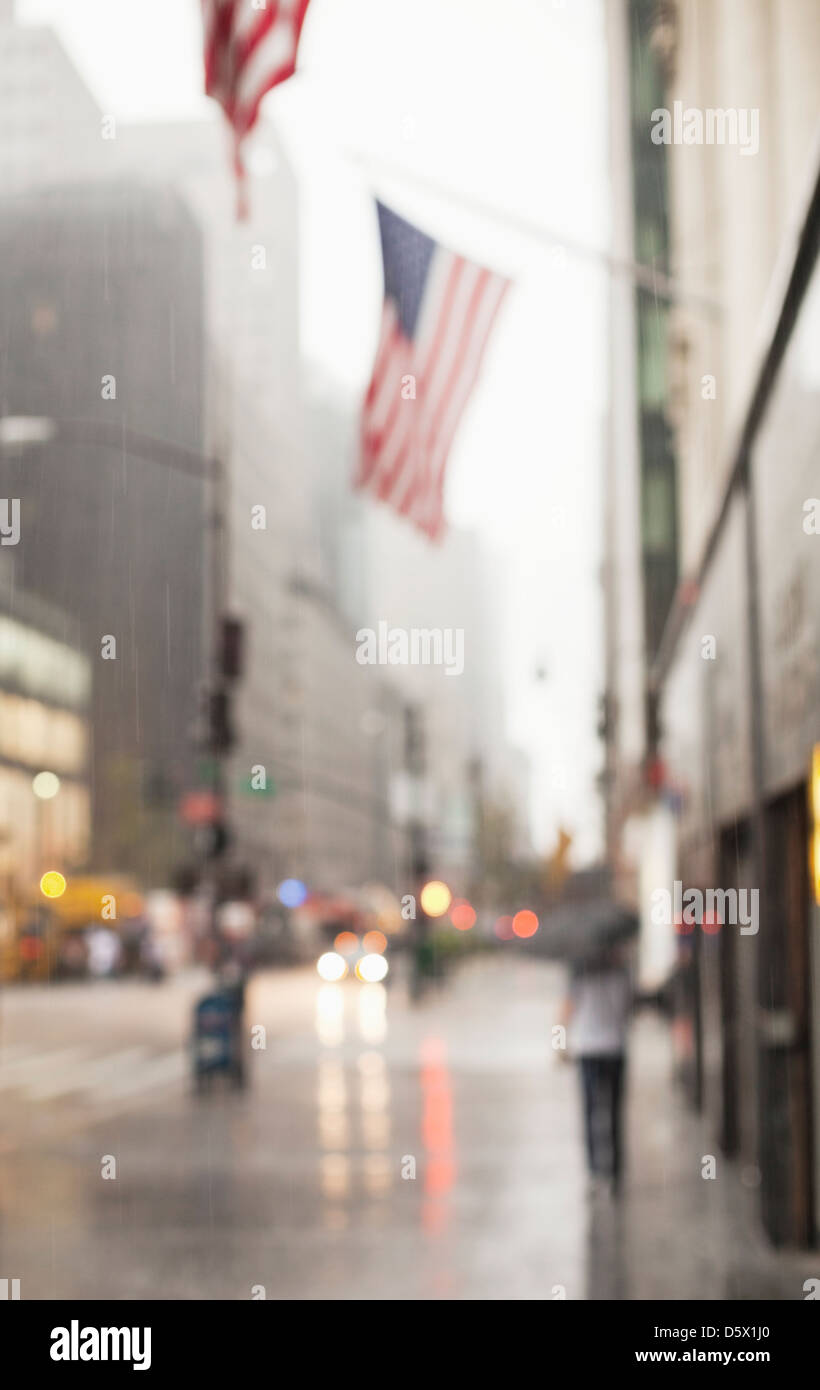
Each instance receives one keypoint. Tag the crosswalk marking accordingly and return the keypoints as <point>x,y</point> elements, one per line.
<point>163,1071</point>
<point>11,1054</point>
<point>40,1077</point>
<point>18,1073</point>
<point>85,1078</point>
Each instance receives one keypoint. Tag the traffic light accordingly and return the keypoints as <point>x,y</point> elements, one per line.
<point>220,727</point>
<point>212,840</point>
<point>231,648</point>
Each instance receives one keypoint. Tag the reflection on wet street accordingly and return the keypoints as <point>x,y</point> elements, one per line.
<point>380,1151</point>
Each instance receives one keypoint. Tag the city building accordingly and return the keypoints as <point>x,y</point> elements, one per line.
<point>51,128</point>
<point>312,732</point>
<point>640,511</point>
<point>220,374</point>
<point>45,689</point>
<point>101,289</point>
<point>717,697</point>
<point>100,300</point>
<point>737,674</point>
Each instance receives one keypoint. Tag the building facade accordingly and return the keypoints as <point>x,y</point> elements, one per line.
<point>45,690</point>
<point>100,300</point>
<point>732,682</point>
<point>640,565</point>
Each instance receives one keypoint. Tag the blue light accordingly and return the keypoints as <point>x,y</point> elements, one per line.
<point>292,892</point>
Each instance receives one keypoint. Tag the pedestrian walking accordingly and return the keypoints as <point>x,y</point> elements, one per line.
<point>596,1014</point>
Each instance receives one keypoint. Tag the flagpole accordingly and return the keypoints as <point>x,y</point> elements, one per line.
<point>646,277</point>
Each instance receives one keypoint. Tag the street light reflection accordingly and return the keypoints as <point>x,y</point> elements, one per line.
<point>377,1174</point>
<point>331,1097</point>
<point>330,1016</point>
<point>335,1170</point>
<point>374,1100</point>
<point>437,1136</point>
<point>372,1013</point>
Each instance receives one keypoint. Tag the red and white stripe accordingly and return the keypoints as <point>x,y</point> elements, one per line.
<point>405,443</point>
<point>248,50</point>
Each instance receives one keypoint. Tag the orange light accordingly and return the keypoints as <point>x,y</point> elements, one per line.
<point>52,884</point>
<point>525,923</point>
<point>346,942</point>
<point>462,915</point>
<point>504,928</point>
<point>374,942</point>
<point>435,898</point>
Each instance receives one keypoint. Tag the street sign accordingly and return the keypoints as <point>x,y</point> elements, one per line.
<point>248,786</point>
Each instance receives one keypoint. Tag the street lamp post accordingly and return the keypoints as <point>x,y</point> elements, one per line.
<point>45,786</point>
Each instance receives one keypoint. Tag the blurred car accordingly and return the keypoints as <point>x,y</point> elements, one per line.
<point>362,956</point>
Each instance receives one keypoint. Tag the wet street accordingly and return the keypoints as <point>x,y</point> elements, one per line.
<point>380,1151</point>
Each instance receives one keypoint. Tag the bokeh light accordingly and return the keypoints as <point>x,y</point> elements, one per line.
<point>525,923</point>
<point>346,943</point>
<point>504,928</point>
<point>372,969</point>
<point>435,898</point>
<point>45,785</point>
<point>331,967</point>
<point>292,892</point>
<point>52,884</point>
<point>462,915</point>
<point>374,942</point>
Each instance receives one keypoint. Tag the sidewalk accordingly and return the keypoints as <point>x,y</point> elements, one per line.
<point>675,1234</point>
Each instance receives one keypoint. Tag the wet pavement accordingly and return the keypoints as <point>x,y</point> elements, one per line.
<point>380,1151</point>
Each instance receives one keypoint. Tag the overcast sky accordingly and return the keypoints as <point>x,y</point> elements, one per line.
<point>505,104</point>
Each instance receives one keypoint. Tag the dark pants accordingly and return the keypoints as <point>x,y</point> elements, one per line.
<point>602,1080</point>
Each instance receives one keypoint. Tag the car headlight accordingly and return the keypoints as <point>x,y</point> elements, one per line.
<point>371,969</point>
<point>331,966</point>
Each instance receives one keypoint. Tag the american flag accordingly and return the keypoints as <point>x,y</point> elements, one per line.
<point>248,50</point>
<point>438,312</point>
